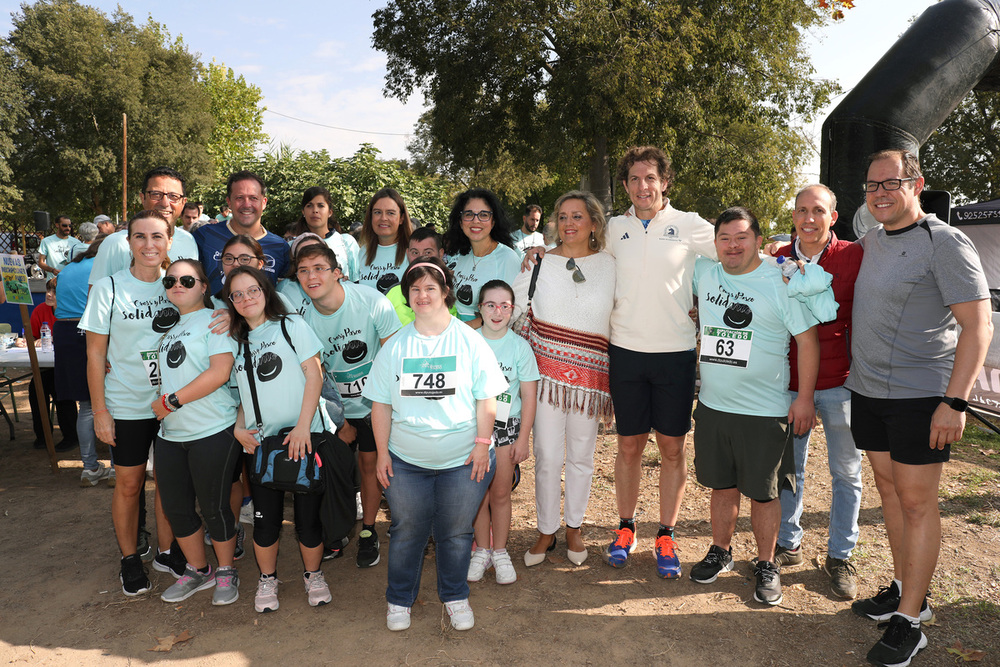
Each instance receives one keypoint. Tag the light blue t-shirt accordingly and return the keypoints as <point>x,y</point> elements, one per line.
<point>57,251</point>
<point>134,315</point>
<point>278,375</point>
<point>71,289</point>
<point>347,251</point>
<point>746,323</point>
<point>432,384</point>
<point>115,255</point>
<point>518,364</point>
<point>383,273</point>
<point>351,339</point>
<point>184,354</point>
<point>294,296</point>
<point>472,272</point>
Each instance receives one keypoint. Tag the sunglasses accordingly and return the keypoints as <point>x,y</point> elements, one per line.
<point>187,282</point>
<point>578,276</point>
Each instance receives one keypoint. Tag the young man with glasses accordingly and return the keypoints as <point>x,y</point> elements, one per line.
<point>163,191</point>
<point>246,195</point>
<point>911,374</point>
<point>352,322</point>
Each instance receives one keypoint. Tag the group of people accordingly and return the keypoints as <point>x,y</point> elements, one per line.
<point>436,356</point>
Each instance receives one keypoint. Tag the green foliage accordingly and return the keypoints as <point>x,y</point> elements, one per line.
<point>12,108</point>
<point>560,86</point>
<point>239,118</point>
<point>963,155</point>
<point>351,182</point>
<point>83,70</point>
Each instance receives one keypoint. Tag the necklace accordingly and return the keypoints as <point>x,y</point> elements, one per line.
<point>475,262</point>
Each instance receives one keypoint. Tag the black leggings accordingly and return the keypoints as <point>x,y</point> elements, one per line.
<point>198,469</point>
<point>269,510</point>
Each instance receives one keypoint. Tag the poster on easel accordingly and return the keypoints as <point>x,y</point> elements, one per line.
<point>15,280</point>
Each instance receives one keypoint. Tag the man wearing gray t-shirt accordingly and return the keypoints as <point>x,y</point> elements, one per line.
<point>911,374</point>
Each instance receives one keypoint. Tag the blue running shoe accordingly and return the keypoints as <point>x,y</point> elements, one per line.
<point>668,565</point>
<point>616,553</point>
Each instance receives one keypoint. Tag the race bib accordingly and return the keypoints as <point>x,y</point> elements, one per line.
<point>727,347</point>
<point>350,382</point>
<point>433,377</point>
<point>503,410</point>
<point>151,362</point>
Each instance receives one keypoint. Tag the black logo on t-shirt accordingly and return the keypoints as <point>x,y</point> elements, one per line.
<point>165,319</point>
<point>355,351</point>
<point>465,295</point>
<point>738,316</point>
<point>387,282</point>
<point>268,366</point>
<point>176,354</point>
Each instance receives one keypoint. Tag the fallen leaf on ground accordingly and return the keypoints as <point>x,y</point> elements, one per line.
<point>167,643</point>
<point>966,654</point>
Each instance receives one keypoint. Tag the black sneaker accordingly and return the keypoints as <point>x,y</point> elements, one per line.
<point>885,603</point>
<point>331,553</point>
<point>715,562</point>
<point>898,645</point>
<point>143,547</point>
<point>172,561</point>
<point>785,557</point>
<point>133,576</point>
<point>368,555</point>
<point>239,551</point>
<point>842,575</point>
<point>768,588</point>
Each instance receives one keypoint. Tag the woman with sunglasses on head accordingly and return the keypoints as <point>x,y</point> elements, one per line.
<point>479,248</point>
<point>284,361</point>
<point>570,325</point>
<point>385,237</point>
<point>433,388</point>
<point>318,218</point>
<point>196,452</point>
<point>126,314</point>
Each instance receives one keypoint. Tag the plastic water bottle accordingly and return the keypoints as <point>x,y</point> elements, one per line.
<point>46,337</point>
<point>788,267</point>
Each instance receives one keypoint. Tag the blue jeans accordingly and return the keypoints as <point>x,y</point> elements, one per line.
<point>834,408</point>
<point>422,502</point>
<point>85,434</point>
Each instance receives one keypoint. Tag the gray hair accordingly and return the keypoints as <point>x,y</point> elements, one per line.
<point>87,232</point>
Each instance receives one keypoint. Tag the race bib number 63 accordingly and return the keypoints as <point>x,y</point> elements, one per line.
<point>428,377</point>
<point>727,347</point>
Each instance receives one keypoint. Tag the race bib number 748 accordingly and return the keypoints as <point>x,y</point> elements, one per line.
<point>428,377</point>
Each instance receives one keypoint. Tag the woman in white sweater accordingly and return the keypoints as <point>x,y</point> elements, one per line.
<point>570,324</point>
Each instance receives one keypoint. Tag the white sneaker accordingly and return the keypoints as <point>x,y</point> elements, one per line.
<point>503,568</point>
<point>480,562</point>
<point>316,589</point>
<point>246,513</point>
<point>397,618</point>
<point>361,510</point>
<point>266,598</point>
<point>461,614</point>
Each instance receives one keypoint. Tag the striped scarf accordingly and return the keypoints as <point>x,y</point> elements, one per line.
<point>574,368</point>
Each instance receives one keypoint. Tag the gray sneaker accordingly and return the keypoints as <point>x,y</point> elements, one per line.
<point>841,577</point>
<point>227,587</point>
<point>190,583</point>
<point>89,478</point>
<point>785,557</point>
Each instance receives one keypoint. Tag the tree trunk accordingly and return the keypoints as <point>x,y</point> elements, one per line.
<point>598,176</point>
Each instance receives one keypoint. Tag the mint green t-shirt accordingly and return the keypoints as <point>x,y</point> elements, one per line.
<point>294,296</point>
<point>184,353</point>
<point>472,272</point>
<point>351,337</point>
<point>278,375</point>
<point>746,323</point>
<point>382,273</point>
<point>134,315</point>
<point>57,251</point>
<point>432,384</point>
<point>115,255</point>
<point>518,364</point>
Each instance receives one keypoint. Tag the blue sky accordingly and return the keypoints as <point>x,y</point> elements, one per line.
<point>315,61</point>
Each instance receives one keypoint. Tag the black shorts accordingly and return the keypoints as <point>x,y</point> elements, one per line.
<point>900,426</point>
<point>507,434</point>
<point>652,390</point>
<point>754,454</point>
<point>69,345</point>
<point>132,440</point>
<point>365,440</point>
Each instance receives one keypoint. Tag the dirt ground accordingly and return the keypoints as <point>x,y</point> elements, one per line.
<point>61,602</point>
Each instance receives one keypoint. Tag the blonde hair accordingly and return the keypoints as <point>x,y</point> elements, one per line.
<point>594,210</point>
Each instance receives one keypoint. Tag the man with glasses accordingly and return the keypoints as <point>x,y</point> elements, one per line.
<point>56,249</point>
<point>246,195</point>
<point>162,190</point>
<point>911,374</point>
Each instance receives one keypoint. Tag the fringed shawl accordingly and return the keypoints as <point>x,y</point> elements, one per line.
<point>574,368</point>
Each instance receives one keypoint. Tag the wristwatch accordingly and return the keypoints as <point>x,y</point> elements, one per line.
<point>957,404</point>
<point>174,401</point>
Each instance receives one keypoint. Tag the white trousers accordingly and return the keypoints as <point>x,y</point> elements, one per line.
<point>559,437</point>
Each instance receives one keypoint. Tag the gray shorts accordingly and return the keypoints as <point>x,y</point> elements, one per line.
<point>753,454</point>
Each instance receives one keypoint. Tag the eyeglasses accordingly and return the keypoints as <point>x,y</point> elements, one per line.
<point>187,282</point>
<point>242,260</point>
<point>578,276</point>
<point>888,185</point>
<point>318,270</point>
<point>490,307</point>
<point>484,216</point>
<point>156,195</point>
<point>252,292</point>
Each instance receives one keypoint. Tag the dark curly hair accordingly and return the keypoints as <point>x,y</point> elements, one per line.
<point>455,240</point>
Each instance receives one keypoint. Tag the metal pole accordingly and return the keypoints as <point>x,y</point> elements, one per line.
<point>124,166</point>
